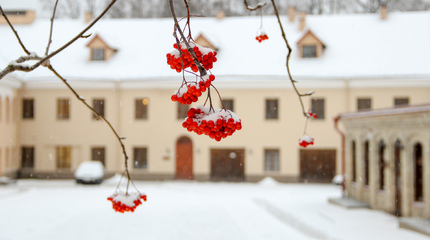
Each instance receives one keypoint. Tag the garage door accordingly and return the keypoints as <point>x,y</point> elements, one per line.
<point>317,165</point>
<point>227,164</point>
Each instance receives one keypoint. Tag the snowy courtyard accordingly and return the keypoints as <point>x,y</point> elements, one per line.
<point>62,209</point>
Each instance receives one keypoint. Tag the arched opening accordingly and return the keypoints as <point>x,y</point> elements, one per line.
<point>366,163</point>
<point>418,176</point>
<point>184,158</point>
<point>381,164</point>
<point>354,161</point>
<point>398,179</point>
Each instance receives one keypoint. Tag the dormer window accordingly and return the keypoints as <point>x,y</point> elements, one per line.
<point>98,54</point>
<point>204,41</point>
<point>310,46</point>
<point>99,49</point>
<point>309,51</point>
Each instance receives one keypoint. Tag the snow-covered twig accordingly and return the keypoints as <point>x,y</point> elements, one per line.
<point>11,68</point>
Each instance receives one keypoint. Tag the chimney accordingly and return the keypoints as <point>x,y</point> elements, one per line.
<point>302,21</point>
<point>383,10</point>
<point>291,13</point>
<point>88,17</point>
<point>220,15</point>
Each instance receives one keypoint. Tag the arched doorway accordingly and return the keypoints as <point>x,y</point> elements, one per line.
<point>184,158</point>
<point>397,178</point>
<point>418,176</point>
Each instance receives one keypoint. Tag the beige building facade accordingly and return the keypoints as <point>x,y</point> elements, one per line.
<point>387,159</point>
<point>124,75</point>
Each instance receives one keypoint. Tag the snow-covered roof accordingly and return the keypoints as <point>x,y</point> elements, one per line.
<point>357,46</point>
<point>422,108</point>
<point>14,5</point>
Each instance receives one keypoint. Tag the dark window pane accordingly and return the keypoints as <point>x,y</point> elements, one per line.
<point>141,108</point>
<point>401,101</point>
<point>140,158</point>
<point>28,108</point>
<point>318,107</point>
<point>228,104</point>
<point>309,51</point>
<point>98,54</point>
<point>271,160</point>
<point>182,110</point>
<point>98,154</point>
<point>272,109</point>
<point>99,106</point>
<point>27,157</point>
<point>364,104</point>
<point>63,109</point>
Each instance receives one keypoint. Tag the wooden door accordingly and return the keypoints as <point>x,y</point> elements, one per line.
<point>227,164</point>
<point>184,158</point>
<point>398,179</point>
<point>317,165</point>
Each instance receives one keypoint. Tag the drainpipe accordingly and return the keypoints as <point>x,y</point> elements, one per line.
<point>342,136</point>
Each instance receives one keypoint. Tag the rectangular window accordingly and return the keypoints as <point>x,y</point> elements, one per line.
<point>63,108</point>
<point>272,109</point>
<point>99,106</point>
<point>318,107</point>
<point>27,157</point>
<point>98,154</point>
<point>98,54</point>
<point>401,101</point>
<point>309,51</point>
<point>140,158</point>
<point>364,104</point>
<point>28,108</point>
<point>271,160</point>
<point>182,110</point>
<point>141,108</point>
<point>64,157</point>
<point>228,104</point>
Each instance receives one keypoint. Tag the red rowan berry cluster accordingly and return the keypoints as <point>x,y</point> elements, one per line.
<point>190,92</point>
<point>306,140</point>
<point>213,122</point>
<point>311,115</point>
<point>126,202</point>
<point>261,37</point>
<point>205,56</point>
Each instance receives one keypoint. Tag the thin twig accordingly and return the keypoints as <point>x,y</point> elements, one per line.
<point>94,111</point>
<point>260,5</point>
<point>14,31</point>
<point>184,39</point>
<point>51,28</point>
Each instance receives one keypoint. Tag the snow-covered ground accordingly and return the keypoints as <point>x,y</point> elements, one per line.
<point>61,209</point>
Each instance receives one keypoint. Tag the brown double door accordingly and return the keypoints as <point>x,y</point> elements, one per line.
<point>184,158</point>
<point>317,165</point>
<point>227,165</point>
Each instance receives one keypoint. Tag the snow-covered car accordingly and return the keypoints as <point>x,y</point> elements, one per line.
<point>90,172</point>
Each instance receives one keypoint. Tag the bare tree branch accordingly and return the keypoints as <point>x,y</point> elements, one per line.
<point>14,31</point>
<point>47,57</point>
<point>92,110</point>
<point>52,26</point>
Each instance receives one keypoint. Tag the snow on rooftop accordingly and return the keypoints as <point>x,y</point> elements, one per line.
<point>359,45</point>
<point>20,4</point>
